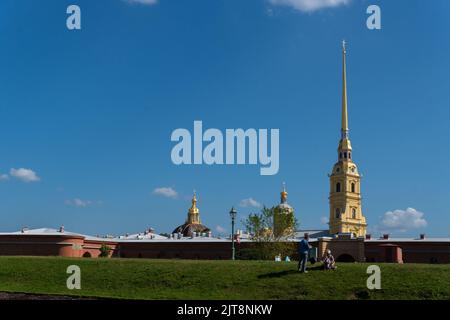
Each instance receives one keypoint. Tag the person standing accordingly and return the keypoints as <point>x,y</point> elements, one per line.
<point>303,250</point>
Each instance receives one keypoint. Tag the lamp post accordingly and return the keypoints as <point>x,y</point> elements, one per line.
<point>233,213</point>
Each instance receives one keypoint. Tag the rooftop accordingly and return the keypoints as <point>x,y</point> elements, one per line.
<point>151,236</point>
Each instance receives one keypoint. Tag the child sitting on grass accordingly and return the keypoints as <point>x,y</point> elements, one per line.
<point>328,261</point>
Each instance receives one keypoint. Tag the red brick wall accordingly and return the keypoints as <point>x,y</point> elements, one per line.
<point>76,246</point>
<point>170,250</point>
<point>91,249</point>
<point>352,248</point>
<point>412,252</point>
<point>39,245</point>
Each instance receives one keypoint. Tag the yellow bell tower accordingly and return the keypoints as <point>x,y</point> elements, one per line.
<point>345,191</point>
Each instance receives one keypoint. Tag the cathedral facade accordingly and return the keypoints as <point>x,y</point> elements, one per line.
<point>346,214</point>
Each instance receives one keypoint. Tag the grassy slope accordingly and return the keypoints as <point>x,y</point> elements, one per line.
<point>188,279</point>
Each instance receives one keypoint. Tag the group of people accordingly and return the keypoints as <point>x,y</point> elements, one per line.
<point>304,247</point>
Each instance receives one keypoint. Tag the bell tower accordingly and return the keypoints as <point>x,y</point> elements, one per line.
<point>345,181</point>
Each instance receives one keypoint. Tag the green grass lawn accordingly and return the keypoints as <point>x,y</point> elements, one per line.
<point>199,279</point>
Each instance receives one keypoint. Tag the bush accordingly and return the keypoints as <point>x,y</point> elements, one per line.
<point>104,251</point>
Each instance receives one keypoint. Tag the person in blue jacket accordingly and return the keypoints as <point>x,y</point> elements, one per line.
<point>303,250</point>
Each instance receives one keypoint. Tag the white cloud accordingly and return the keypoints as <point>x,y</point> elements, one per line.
<point>310,5</point>
<point>250,202</point>
<point>403,220</point>
<point>78,203</point>
<point>324,220</point>
<point>4,177</point>
<point>166,192</point>
<point>221,229</point>
<point>26,175</point>
<point>145,2</point>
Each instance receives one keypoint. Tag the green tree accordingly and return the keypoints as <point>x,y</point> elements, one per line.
<point>104,251</point>
<point>266,243</point>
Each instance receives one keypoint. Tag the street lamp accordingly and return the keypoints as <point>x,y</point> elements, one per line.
<point>233,213</point>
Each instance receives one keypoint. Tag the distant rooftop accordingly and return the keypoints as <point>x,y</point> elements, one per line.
<point>151,236</point>
<point>440,239</point>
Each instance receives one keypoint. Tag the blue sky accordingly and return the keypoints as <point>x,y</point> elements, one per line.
<point>89,113</point>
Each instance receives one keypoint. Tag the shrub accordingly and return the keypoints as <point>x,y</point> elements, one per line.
<point>104,251</point>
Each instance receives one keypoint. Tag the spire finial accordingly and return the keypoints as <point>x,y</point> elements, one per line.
<point>284,194</point>
<point>194,199</point>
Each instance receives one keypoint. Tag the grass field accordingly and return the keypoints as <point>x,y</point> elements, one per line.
<point>192,279</point>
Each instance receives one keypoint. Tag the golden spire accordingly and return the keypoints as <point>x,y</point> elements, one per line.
<point>345,147</point>
<point>194,201</point>
<point>344,122</point>
<point>284,194</point>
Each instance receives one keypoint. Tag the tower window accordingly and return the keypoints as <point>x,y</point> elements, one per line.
<point>338,213</point>
<point>349,155</point>
<point>340,155</point>
<point>338,187</point>
<point>345,155</point>
<point>353,187</point>
<point>354,213</point>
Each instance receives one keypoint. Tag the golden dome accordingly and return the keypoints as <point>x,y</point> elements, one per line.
<point>193,223</point>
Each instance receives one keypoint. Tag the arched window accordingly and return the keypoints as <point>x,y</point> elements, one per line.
<point>338,187</point>
<point>349,155</point>
<point>340,155</point>
<point>345,155</point>
<point>338,213</point>
<point>353,187</point>
<point>354,213</point>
